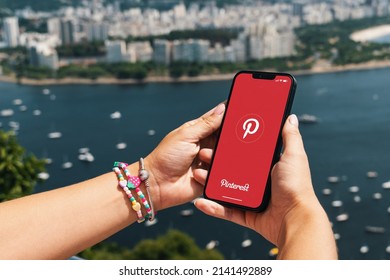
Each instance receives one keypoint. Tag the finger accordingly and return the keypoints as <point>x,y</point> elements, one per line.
<point>200,175</point>
<point>205,125</point>
<point>292,139</point>
<point>214,209</point>
<point>205,155</point>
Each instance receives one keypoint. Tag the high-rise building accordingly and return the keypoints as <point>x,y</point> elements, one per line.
<point>190,50</point>
<point>67,31</point>
<point>117,52</point>
<point>96,31</point>
<point>162,51</point>
<point>142,51</point>
<point>11,31</point>
<point>41,55</point>
<point>53,27</point>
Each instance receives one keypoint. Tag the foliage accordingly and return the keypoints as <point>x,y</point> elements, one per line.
<point>85,49</point>
<point>174,245</point>
<point>18,170</point>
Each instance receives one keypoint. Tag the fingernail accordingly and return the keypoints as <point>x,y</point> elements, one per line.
<point>294,120</point>
<point>220,109</point>
<point>195,200</point>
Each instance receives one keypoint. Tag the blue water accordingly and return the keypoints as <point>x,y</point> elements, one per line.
<point>351,138</point>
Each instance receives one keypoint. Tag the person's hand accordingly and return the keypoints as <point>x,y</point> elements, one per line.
<point>292,191</point>
<point>175,163</point>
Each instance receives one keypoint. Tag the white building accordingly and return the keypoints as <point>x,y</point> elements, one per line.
<point>162,51</point>
<point>117,52</point>
<point>11,31</point>
<point>42,55</point>
<point>96,31</point>
<point>190,50</point>
<point>67,31</point>
<point>142,51</point>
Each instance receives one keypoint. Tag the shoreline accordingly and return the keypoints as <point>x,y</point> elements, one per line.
<point>319,69</point>
<point>370,34</point>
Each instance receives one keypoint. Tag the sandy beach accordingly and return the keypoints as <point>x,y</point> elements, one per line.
<point>317,69</point>
<point>371,33</point>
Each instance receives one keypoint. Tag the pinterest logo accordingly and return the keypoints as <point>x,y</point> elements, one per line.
<point>250,128</point>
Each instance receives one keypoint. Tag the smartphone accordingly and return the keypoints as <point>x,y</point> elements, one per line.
<point>249,142</point>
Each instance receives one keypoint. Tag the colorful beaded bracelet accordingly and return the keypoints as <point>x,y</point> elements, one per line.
<point>134,204</point>
<point>133,183</point>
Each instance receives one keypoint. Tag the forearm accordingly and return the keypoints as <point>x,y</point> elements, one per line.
<point>60,223</point>
<point>307,234</point>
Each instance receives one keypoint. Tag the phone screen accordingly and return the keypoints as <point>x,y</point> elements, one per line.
<point>248,142</point>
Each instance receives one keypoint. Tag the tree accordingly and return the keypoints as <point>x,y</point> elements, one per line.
<point>18,170</point>
<point>174,245</point>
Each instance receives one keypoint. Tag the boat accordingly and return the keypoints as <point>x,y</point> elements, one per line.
<point>67,165</point>
<point>333,179</point>
<point>246,243</point>
<point>14,125</point>
<point>364,249</point>
<point>84,150</point>
<point>43,175</point>
<point>388,249</point>
<point>372,174</point>
<point>48,161</point>
<point>354,189</point>
<point>187,212</point>
<point>46,91</point>
<point>342,217</point>
<point>377,196</point>
<point>88,157</point>
<point>357,198</point>
<point>308,119</point>
<point>53,97</point>
<point>386,185</point>
<point>121,146</point>
<point>6,113</point>
<point>337,203</point>
<point>388,210</point>
<point>212,244</point>
<point>23,108</point>
<point>326,191</point>
<point>337,236</point>
<point>116,115</point>
<point>17,102</point>
<point>37,112</point>
<point>374,229</point>
<point>54,135</point>
<point>149,223</point>
<point>151,132</point>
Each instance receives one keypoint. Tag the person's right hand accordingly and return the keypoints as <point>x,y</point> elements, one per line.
<point>293,209</point>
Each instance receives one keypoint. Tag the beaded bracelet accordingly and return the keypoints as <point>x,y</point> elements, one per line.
<point>134,204</point>
<point>133,183</point>
<point>144,176</point>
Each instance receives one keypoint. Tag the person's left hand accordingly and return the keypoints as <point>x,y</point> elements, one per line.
<point>175,164</point>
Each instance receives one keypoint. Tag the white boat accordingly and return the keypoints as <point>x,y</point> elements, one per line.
<point>14,125</point>
<point>357,198</point>
<point>386,185</point>
<point>187,212</point>
<point>333,179</point>
<point>337,203</point>
<point>17,102</point>
<point>53,97</point>
<point>377,196</point>
<point>151,132</point>
<point>48,161</point>
<point>149,223</point>
<point>84,150</point>
<point>23,108</point>
<point>388,210</point>
<point>88,157</point>
<point>212,244</point>
<point>374,229</point>
<point>37,112</point>
<point>337,236</point>
<point>54,135</point>
<point>43,175</point>
<point>354,189</point>
<point>116,115</point>
<point>46,91</point>
<point>364,249</point>
<point>7,113</point>
<point>67,165</point>
<point>121,146</point>
<point>246,243</point>
<point>306,118</point>
<point>326,191</point>
<point>342,217</point>
<point>388,249</point>
<point>372,174</point>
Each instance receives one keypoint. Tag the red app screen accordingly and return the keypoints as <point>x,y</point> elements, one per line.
<point>249,134</point>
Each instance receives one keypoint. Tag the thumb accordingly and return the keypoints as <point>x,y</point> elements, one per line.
<point>292,139</point>
<point>206,124</point>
